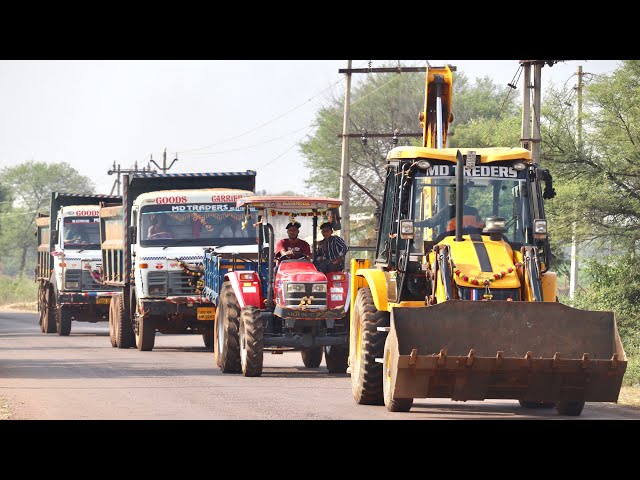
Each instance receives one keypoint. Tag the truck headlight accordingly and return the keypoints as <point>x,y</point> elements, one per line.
<point>295,288</point>
<point>319,287</point>
<point>72,284</point>
<point>156,290</point>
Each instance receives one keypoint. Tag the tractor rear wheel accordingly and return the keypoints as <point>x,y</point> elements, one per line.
<point>367,345</point>
<point>251,341</point>
<point>227,347</point>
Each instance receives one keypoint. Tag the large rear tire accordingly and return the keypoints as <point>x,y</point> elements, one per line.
<point>42,300</point>
<point>337,358</point>
<point>227,347</point>
<point>63,320</point>
<point>49,316</point>
<point>122,322</point>
<point>571,409</point>
<point>392,403</point>
<point>312,357</point>
<point>367,345</point>
<point>251,341</point>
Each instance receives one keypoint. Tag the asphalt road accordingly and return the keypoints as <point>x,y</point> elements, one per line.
<point>81,377</point>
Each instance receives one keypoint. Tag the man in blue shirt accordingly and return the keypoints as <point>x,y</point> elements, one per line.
<point>330,251</point>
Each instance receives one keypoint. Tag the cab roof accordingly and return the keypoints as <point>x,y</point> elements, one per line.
<point>487,155</point>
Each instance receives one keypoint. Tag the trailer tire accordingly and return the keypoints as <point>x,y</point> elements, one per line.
<point>63,320</point>
<point>112,327</point>
<point>49,315</point>
<point>367,345</point>
<point>251,341</point>
<point>569,408</point>
<point>337,358</point>
<point>227,348</point>
<point>124,331</point>
<point>388,373</point>
<point>312,357</point>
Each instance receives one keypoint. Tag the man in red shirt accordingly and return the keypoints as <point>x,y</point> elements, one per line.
<point>292,247</point>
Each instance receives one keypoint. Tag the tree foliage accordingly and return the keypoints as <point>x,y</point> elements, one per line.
<point>28,187</point>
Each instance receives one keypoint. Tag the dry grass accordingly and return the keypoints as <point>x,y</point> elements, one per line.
<point>629,397</point>
<point>29,307</point>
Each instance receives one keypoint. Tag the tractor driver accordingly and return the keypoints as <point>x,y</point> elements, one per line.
<point>292,247</point>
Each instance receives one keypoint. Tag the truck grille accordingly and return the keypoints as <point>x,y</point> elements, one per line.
<point>293,299</point>
<point>181,284</point>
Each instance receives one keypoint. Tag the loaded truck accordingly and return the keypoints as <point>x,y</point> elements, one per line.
<point>460,301</point>
<point>269,305</point>
<point>153,248</point>
<point>69,262</point>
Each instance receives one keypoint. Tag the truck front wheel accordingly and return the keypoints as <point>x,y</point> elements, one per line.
<point>63,320</point>
<point>49,314</point>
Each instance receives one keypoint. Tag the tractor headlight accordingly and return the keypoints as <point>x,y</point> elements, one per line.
<point>423,164</point>
<point>319,287</point>
<point>295,288</point>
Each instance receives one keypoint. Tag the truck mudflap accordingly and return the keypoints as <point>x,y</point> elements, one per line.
<point>528,351</point>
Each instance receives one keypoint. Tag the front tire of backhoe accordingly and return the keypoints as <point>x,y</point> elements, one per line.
<point>227,342</point>
<point>571,409</point>
<point>388,379</point>
<point>367,345</point>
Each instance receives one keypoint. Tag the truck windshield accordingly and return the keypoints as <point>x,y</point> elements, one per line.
<point>434,206</point>
<point>81,232</point>
<point>217,224</point>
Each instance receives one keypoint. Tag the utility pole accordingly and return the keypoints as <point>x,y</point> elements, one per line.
<point>536,139</point>
<point>573,278</point>
<point>164,167</point>
<point>119,171</point>
<point>525,137</point>
<point>344,168</point>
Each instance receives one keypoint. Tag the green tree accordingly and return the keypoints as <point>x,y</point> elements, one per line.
<point>598,181</point>
<point>29,188</point>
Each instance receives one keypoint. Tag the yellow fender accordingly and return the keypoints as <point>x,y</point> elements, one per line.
<point>363,276</point>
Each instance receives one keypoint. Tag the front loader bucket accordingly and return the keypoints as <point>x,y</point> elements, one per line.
<point>474,350</point>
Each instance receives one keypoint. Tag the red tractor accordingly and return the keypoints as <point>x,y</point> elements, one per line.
<point>281,304</point>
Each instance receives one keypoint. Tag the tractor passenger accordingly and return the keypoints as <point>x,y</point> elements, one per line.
<point>330,251</point>
<point>292,247</point>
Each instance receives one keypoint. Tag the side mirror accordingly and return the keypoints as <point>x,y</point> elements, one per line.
<point>376,217</point>
<point>132,234</point>
<point>334,218</point>
<point>54,236</point>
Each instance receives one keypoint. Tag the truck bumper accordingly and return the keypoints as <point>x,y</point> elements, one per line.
<point>175,305</point>
<point>85,298</point>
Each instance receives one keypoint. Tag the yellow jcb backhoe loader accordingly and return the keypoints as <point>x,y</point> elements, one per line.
<point>460,303</point>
